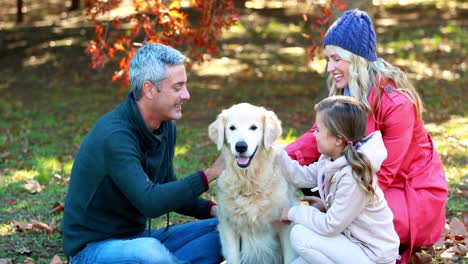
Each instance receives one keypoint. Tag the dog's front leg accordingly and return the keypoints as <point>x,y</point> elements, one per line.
<point>230,242</point>
<point>288,253</point>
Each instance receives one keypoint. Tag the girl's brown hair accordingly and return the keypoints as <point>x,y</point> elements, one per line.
<point>346,118</point>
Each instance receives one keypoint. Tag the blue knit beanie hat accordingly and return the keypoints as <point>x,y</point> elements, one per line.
<point>353,32</point>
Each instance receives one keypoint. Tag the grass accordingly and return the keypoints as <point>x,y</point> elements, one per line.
<point>49,103</point>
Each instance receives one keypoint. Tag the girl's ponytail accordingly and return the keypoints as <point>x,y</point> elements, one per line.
<point>363,171</point>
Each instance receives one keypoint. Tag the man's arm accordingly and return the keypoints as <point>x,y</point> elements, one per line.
<point>152,200</point>
<point>203,208</point>
<point>215,170</point>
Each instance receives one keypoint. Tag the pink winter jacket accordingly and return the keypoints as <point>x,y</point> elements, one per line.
<point>364,219</point>
<point>412,176</point>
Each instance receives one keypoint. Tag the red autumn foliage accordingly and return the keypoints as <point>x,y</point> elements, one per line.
<point>320,24</point>
<point>197,27</point>
<point>154,21</point>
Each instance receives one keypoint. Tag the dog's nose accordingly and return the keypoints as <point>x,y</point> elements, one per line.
<point>241,146</point>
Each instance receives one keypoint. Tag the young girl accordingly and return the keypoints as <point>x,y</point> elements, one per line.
<point>352,222</point>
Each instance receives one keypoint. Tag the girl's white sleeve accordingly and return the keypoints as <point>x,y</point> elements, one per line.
<point>300,176</point>
<point>348,203</point>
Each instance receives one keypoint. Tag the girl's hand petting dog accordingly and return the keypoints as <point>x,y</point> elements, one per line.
<point>310,200</point>
<point>284,216</point>
<point>315,202</point>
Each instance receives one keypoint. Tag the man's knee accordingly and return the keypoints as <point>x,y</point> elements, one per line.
<point>152,251</point>
<point>211,222</point>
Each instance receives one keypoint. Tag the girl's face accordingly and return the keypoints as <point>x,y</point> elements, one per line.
<point>327,144</point>
<point>337,67</point>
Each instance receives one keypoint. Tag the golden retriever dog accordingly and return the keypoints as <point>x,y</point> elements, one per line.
<point>251,190</point>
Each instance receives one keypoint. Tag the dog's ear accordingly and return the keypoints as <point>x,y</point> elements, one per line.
<point>272,129</point>
<point>216,130</point>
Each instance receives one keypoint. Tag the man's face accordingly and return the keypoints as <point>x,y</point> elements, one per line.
<point>173,93</point>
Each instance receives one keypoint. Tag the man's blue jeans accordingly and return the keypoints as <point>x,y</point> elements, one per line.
<point>194,242</point>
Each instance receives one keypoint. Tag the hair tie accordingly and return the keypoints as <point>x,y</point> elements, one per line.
<point>350,142</point>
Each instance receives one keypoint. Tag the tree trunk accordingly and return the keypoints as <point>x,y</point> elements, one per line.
<point>239,4</point>
<point>19,11</point>
<point>75,5</point>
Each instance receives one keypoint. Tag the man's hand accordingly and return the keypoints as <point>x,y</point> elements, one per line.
<point>215,170</point>
<point>214,211</point>
<point>315,202</point>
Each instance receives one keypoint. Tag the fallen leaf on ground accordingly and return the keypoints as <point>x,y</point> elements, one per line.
<point>5,261</point>
<point>57,208</point>
<point>447,254</point>
<point>53,225</point>
<point>10,202</point>
<point>460,249</point>
<point>29,261</point>
<point>57,260</point>
<point>20,226</point>
<point>33,186</point>
<point>24,250</point>
<point>440,242</point>
<point>465,219</point>
<point>42,226</point>
<point>457,228</point>
<point>421,258</point>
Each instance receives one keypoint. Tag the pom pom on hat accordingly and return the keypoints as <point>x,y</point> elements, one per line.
<point>353,32</point>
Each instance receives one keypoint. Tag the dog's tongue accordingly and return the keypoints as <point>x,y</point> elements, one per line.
<point>242,160</point>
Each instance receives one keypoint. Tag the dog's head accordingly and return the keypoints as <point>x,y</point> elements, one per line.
<point>245,128</point>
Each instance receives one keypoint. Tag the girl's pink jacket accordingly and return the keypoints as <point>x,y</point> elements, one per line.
<point>412,176</point>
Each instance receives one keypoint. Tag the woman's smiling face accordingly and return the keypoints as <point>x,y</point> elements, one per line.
<point>337,67</point>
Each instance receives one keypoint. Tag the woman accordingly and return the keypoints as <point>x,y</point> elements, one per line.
<point>412,176</point>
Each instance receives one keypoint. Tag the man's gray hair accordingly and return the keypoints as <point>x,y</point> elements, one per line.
<point>149,64</point>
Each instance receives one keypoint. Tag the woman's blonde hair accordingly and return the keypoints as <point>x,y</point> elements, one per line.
<point>363,73</point>
<point>346,118</point>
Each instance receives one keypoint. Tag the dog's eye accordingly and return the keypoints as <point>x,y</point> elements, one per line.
<point>232,128</point>
<point>253,127</point>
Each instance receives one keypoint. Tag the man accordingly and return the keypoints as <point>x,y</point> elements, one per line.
<point>123,175</point>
